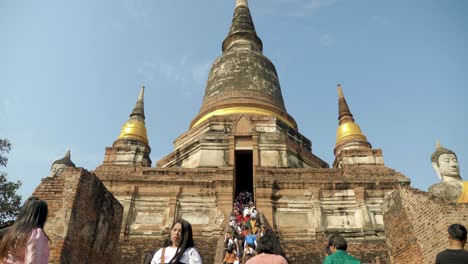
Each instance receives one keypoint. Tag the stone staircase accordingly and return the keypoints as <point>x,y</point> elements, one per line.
<point>221,250</point>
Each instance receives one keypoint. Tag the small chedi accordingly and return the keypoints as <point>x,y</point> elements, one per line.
<point>84,218</point>
<point>452,188</point>
<point>61,164</point>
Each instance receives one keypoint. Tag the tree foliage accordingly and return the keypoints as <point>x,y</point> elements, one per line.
<point>5,147</point>
<point>10,201</point>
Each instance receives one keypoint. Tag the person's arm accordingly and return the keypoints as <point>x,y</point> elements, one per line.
<point>37,248</point>
<point>327,260</point>
<point>236,245</point>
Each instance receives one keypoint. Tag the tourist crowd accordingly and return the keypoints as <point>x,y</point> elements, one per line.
<point>247,241</point>
<point>244,230</point>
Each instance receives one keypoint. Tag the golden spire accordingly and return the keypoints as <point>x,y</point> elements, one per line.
<point>347,129</point>
<point>135,128</point>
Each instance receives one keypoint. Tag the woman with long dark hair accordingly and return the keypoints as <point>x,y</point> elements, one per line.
<point>182,249</point>
<point>268,251</point>
<point>25,241</point>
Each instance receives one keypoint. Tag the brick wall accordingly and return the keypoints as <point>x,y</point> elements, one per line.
<point>134,250</point>
<point>416,224</point>
<point>84,218</point>
<point>52,190</point>
<point>400,233</point>
<point>313,251</point>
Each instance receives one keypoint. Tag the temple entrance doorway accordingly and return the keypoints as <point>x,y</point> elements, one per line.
<point>244,171</point>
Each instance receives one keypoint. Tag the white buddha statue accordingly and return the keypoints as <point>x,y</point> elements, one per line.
<point>452,188</point>
<point>61,164</point>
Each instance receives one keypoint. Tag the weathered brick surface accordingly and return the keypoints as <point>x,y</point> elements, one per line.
<point>367,243</point>
<point>134,250</point>
<point>84,218</point>
<point>313,251</point>
<point>154,184</point>
<point>52,191</point>
<point>416,224</point>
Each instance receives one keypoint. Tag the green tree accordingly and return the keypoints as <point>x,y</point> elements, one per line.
<point>10,201</point>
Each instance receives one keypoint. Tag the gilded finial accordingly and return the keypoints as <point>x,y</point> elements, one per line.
<point>142,93</point>
<point>344,114</point>
<point>340,92</point>
<point>135,128</point>
<point>241,3</point>
<point>347,129</point>
<point>139,109</point>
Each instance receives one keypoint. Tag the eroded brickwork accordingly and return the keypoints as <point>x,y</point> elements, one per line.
<point>203,196</point>
<point>135,249</point>
<point>416,224</point>
<point>306,206</point>
<point>52,190</point>
<point>84,218</point>
<point>313,251</point>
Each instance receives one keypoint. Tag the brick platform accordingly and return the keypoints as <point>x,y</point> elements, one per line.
<point>416,224</point>
<point>84,218</point>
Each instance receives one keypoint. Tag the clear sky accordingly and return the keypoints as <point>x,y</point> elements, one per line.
<point>70,73</point>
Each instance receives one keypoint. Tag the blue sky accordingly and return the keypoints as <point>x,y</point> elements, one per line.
<point>70,73</point>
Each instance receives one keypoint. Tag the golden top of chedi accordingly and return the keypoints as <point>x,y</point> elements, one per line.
<point>134,128</point>
<point>347,129</point>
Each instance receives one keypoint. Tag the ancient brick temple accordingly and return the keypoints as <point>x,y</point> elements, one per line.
<point>243,139</point>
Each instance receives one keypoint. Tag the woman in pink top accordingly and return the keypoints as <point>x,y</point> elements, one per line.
<point>268,251</point>
<point>25,241</point>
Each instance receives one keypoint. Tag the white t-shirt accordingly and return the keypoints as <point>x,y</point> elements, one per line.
<point>190,256</point>
<point>253,213</point>
<point>246,211</point>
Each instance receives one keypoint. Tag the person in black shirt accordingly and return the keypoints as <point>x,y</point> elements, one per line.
<point>455,254</point>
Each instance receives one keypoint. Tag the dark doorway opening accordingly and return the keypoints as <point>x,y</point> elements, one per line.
<point>244,171</point>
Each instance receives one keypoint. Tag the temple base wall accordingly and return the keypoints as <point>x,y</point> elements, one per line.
<point>416,224</point>
<point>313,251</point>
<point>306,206</point>
<point>84,218</point>
<point>154,198</point>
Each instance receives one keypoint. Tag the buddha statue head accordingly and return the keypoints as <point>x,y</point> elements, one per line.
<point>61,164</point>
<point>444,162</point>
